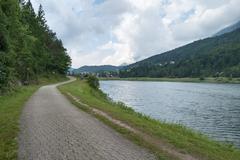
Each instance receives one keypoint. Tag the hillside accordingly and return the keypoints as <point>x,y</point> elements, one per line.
<point>96,69</point>
<point>28,47</point>
<point>228,29</point>
<point>215,56</point>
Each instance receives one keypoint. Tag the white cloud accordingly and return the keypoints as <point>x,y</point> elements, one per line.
<point>119,31</point>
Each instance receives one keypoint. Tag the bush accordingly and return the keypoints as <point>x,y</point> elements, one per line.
<point>93,81</point>
<point>201,78</point>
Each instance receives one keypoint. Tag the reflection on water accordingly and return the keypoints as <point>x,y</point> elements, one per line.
<point>213,109</point>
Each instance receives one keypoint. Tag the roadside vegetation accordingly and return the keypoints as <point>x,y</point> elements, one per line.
<point>31,55</point>
<point>28,47</point>
<point>174,136</point>
<point>11,105</point>
<point>195,80</point>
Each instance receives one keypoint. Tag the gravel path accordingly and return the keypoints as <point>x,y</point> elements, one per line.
<point>53,129</point>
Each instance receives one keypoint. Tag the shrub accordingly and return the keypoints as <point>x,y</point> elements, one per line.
<point>201,78</point>
<point>93,81</point>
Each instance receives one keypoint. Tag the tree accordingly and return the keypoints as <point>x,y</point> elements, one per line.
<point>93,81</point>
<point>41,17</point>
<point>28,48</point>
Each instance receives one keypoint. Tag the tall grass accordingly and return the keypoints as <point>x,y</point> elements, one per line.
<point>11,105</point>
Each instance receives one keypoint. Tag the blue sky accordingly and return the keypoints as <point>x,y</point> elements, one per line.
<point>97,32</point>
<point>98,1</point>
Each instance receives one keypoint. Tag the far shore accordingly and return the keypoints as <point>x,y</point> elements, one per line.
<point>165,79</point>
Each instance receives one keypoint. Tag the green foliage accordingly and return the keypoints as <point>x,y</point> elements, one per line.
<point>10,109</point>
<point>28,48</point>
<point>93,81</point>
<point>11,105</point>
<point>201,78</point>
<point>211,57</point>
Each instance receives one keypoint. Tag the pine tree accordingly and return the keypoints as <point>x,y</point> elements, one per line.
<point>41,17</point>
<point>28,48</point>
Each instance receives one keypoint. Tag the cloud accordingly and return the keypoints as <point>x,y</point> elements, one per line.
<point>124,31</point>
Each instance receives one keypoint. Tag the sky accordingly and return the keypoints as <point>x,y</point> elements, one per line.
<point>116,32</point>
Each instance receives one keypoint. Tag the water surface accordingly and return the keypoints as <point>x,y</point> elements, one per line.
<point>213,109</point>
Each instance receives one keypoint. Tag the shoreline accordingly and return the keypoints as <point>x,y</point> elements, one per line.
<point>179,138</point>
<point>219,80</point>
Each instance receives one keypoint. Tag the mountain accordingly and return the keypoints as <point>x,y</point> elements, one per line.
<point>70,70</point>
<point>214,56</point>
<point>228,29</point>
<point>97,69</point>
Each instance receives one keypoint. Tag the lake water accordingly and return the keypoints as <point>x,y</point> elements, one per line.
<point>213,109</point>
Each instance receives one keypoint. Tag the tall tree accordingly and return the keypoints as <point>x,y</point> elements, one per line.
<point>28,48</point>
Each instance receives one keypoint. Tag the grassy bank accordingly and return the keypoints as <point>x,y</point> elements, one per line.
<point>10,109</point>
<point>175,136</point>
<point>195,80</point>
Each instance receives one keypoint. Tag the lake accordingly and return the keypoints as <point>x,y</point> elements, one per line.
<point>212,109</point>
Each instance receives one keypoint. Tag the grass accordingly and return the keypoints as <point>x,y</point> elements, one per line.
<point>180,137</point>
<point>195,80</point>
<point>11,106</point>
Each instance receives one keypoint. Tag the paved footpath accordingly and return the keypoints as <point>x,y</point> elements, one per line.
<point>51,128</point>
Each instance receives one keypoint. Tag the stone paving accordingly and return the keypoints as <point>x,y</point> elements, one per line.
<point>51,128</point>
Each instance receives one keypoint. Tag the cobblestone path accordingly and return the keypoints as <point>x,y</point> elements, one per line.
<point>51,128</point>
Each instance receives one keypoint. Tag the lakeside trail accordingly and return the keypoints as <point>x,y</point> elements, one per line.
<point>154,141</point>
<point>51,128</point>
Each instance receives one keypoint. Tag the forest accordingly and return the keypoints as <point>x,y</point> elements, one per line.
<point>28,47</point>
<point>217,56</point>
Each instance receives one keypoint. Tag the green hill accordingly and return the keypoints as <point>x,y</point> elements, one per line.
<point>215,56</point>
<point>96,69</point>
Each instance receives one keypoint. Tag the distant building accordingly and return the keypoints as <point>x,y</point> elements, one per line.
<point>172,62</point>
